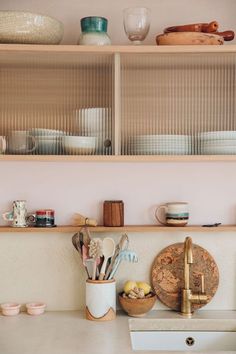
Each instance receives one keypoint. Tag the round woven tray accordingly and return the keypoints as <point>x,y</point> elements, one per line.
<point>168,274</point>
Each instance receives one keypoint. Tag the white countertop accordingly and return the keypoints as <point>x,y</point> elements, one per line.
<point>174,321</point>
<point>68,332</point>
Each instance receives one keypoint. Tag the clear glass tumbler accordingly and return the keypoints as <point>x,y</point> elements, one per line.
<point>136,23</point>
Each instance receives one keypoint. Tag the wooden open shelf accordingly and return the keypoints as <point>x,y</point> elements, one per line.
<point>120,158</point>
<point>112,49</point>
<point>127,228</point>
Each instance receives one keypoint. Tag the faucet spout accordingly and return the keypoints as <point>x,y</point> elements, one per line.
<point>188,259</point>
<point>187,295</point>
<point>188,250</point>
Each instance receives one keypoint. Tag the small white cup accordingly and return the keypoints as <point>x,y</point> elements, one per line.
<point>100,300</point>
<point>176,214</point>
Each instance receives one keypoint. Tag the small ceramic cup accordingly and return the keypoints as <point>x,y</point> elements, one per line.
<point>45,218</point>
<point>10,309</point>
<point>100,300</point>
<point>35,308</point>
<point>176,214</point>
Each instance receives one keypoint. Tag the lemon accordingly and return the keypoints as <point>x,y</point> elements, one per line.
<point>145,286</point>
<point>129,285</point>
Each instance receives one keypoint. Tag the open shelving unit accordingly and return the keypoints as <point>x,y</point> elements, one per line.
<point>150,90</point>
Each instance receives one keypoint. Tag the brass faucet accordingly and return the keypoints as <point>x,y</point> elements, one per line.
<point>187,296</point>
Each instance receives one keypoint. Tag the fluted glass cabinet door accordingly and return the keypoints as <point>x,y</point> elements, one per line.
<point>57,103</point>
<point>178,104</point>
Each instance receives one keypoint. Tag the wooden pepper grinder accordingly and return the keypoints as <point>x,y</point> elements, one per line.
<point>113,213</point>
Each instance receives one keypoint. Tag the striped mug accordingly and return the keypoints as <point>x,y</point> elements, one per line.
<point>175,214</point>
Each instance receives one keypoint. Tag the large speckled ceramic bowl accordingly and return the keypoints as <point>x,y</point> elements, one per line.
<point>29,28</point>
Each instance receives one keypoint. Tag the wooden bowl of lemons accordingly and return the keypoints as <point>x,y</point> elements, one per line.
<point>137,298</point>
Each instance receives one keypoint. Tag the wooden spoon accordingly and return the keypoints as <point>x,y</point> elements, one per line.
<point>108,249</point>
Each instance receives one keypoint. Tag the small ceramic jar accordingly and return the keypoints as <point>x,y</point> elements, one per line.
<point>35,308</point>
<point>94,31</point>
<point>10,309</point>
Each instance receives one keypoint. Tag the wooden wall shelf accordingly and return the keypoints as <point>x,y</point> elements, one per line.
<point>128,228</point>
<point>112,49</point>
<point>120,158</point>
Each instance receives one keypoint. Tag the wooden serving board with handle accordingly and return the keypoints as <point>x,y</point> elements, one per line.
<point>168,274</point>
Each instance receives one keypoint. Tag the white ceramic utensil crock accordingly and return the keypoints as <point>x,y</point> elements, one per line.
<point>100,300</point>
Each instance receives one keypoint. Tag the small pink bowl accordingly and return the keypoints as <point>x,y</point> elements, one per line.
<point>10,309</point>
<point>35,308</point>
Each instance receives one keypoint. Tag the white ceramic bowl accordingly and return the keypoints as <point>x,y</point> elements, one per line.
<point>48,145</point>
<point>10,309</point>
<point>29,28</point>
<point>35,308</point>
<point>79,145</point>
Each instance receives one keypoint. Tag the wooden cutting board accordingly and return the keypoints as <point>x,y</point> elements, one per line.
<point>168,274</point>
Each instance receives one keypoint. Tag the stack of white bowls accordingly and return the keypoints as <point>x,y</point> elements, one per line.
<point>159,145</point>
<point>48,141</point>
<point>79,145</point>
<point>95,122</point>
<point>217,143</point>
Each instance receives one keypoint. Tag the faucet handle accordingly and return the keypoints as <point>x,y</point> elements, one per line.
<point>202,284</point>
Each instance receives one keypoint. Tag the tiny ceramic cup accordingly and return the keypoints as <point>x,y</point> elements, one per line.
<point>35,308</point>
<point>100,300</point>
<point>176,214</point>
<point>10,309</point>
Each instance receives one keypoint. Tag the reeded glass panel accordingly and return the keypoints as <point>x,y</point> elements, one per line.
<point>178,104</point>
<point>57,103</point>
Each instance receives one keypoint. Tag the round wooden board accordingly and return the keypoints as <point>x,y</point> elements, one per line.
<point>168,274</point>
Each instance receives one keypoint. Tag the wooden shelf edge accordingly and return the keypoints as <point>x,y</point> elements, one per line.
<point>119,158</point>
<point>112,49</point>
<point>128,228</point>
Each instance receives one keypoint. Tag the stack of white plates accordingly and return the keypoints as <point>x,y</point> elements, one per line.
<point>48,141</point>
<point>159,145</point>
<point>95,122</point>
<point>217,143</point>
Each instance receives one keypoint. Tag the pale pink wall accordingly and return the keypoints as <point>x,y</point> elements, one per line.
<point>82,187</point>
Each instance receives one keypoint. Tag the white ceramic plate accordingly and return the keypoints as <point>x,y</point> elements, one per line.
<point>218,150</point>
<point>215,135</point>
<point>224,142</point>
<point>159,137</point>
<point>159,151</point>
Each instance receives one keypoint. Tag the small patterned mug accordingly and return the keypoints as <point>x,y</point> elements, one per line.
<point>176,214</point>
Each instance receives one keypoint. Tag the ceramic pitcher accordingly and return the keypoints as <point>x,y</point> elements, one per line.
<point>18,215</point>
